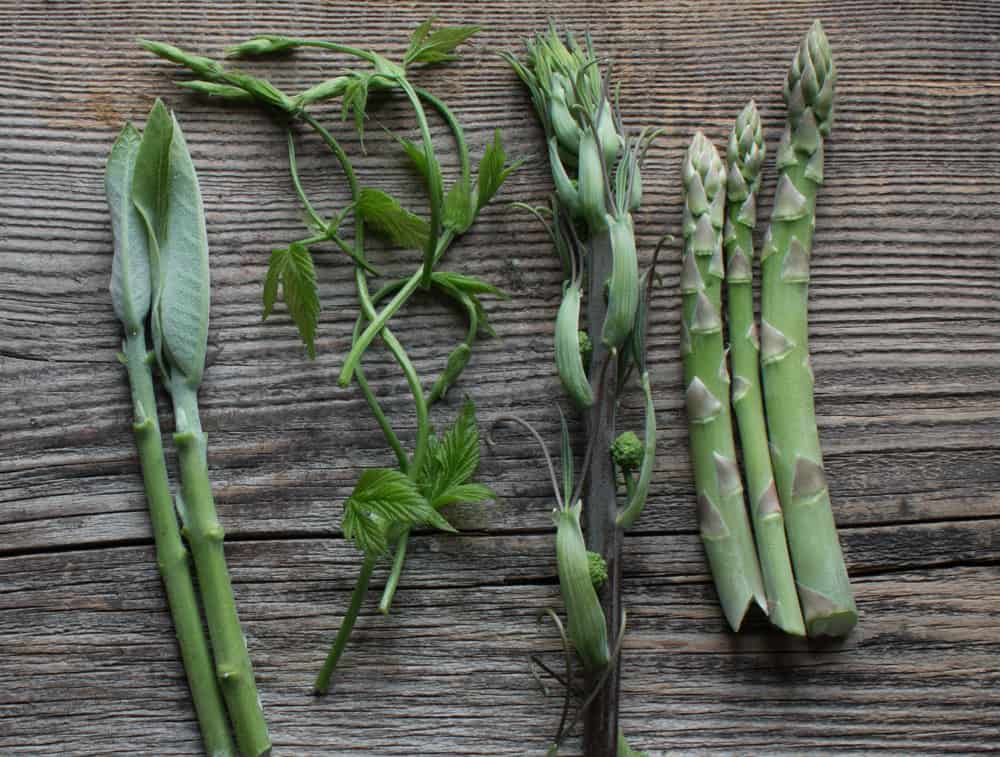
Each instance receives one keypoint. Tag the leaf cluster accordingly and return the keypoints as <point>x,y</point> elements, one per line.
<point>384,501</point>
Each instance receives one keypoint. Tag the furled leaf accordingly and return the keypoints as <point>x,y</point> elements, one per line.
<point>381,499</point>
<point>493,171</point>
<point>166,192</point>
<point>468,284</point>
<point>459,207</point>
<point>293,268</point>
<point>355,100</point>
<point>383,213</point>
<point>416,154</point>
<point>131,290</point>
<point>436,47</point>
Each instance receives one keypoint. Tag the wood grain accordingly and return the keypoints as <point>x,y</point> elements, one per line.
<point>905,332</point>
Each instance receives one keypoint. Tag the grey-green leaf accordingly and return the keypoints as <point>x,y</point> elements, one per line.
<point>150,194</point>
<point>131,290</point>
<point>185,300</point>
<point>166,192</point>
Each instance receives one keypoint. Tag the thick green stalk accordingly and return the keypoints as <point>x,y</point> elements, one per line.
<point>205,535</point>
<point>824,588</point>
<point>746,156</point>
<point>600,735</point>
<point>172,556</point>
<point>322,684</point>
<point>722,514</point>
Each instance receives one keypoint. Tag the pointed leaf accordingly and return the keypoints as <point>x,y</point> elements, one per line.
<point>493,171</point>
<point>472,493</point>
<point>459,208</point>
<point>166,192</point>
<point>436,46</point>
<point>468,284</point>
<point>389,219</point>
<point>292,266</point>
<point>131,290</point>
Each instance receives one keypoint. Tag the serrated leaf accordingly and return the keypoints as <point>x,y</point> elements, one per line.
<point>389,219</point>
<point>382,499</point>
<point>166,192</point>
<point>436,47</point>
<point>416,155</point>
<point>493,171</point>
<point>451,460</point>
<point>459,208</point>
<point>355,100</point>
<point>367,531</point>
<point>131,289</point>
<point>293,268</point>
<point>471,493</point>
<point>417,38</point>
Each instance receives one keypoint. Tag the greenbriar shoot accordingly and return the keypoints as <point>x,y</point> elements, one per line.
<point>386,502</point>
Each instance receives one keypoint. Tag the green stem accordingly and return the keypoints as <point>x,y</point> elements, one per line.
<point>393,345</point>
<point>435,184</point>
<point>336,47</point>
<point>172,556</point>
<point>378,321</point>
<point>376,408</point>
<point>824,588</point>
<point>456,130</point>
<point>398,560</point>
<point>601,498</point>
<point>293,167</point>
<point>322,684</point>
<point>205,534</point>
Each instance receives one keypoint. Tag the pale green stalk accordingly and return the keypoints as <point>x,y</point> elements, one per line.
<point>746,157</point>
<point>821,575</point>
<point>722,515</point>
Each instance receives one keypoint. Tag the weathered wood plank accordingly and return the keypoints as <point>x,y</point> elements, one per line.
<point>450,663</point>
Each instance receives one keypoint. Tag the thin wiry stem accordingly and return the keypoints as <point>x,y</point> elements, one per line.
<point>541,443</point>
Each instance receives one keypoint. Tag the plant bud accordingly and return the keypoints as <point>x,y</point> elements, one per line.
<point>565,187</point>
<point>590,181</point>
<point>569,361</point>
<point>623,291</point>
<point>326,90</point>
<point>587,627</point>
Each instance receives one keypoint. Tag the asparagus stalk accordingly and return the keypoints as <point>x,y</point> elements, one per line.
<point>131,296</point>
<point>745,157</point>
<point>722,515</point>
<point>824,589</point>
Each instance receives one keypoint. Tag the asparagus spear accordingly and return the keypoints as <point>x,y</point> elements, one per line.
<point>722,515</point>
<point>745,157</point>
<point>824,588</point>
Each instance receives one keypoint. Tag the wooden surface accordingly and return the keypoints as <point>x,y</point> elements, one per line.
<point>905,323</point>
